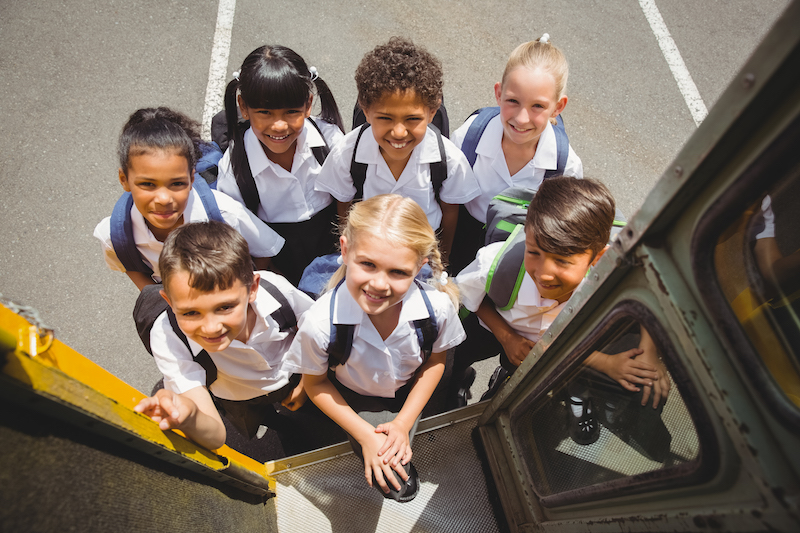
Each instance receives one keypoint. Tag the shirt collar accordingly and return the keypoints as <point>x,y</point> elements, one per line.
<point>426,151</point>
<point>490,145</point>
<point>529,294</point>
<point>546,155</point>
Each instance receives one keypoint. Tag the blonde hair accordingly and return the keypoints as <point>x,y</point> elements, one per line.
<point>540,53</point>
<point>401,222</point>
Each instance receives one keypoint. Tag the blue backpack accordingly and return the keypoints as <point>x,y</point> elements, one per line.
<point>207,167</point>
<point>122,227</point>
<point>486,114</point>
<point>341,339</point>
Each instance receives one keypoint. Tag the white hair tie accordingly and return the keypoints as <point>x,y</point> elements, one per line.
<point>236,75</point>
<point>545,38</point>
<point>443,278</point>
<point>339,260</point>
<point>314,73</point>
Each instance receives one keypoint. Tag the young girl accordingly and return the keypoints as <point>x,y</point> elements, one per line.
<point>158,149</point>
<point>400,89</point>
<point>275,157</point>
<point>519,144</point>
<point>380,313</point>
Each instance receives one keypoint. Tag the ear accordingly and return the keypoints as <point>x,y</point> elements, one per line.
<point>366,113</point>
<point>422,264</point>
<point>599,255</point>
<point>498,92</point>
<point>254,288</point>
<point>164,295</point>
<point>123,180</point>
<point>560,105</point>
<point>242,106</point>
<point>343,246</point>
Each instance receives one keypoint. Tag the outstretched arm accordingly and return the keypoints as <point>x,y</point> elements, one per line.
<point>325,395</point>
<point>192,412</point>
<point>516,346</point>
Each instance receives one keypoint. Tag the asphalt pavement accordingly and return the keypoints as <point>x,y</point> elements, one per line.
<point>73,71</point>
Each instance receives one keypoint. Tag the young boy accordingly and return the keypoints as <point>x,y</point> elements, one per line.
<point>226,312</point>
<point>566,231</point>
<point>400,90</point>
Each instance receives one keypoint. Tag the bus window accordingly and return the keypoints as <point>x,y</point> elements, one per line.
<point>757,263</point>
<point>592,431</point>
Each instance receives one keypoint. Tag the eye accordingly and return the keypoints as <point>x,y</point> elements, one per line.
<point>180,184</point>
<point>227,307</point>
<point>534,252</point>
<point>512,101</point>
<point>146,185</point>
<point>400,273</point>
<point>264,112</point>
<point>367,264</point>
<point>188,314</point>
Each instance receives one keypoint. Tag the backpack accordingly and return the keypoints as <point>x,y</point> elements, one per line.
<point>247,184</point>
<point>358,171</point>
<point>122,227</point>
<point>440,119</point>
<point>508,268</point>
<point>341,338</point>
<point>207,167</point>
<point>150,305</point>
<point>486,114</point>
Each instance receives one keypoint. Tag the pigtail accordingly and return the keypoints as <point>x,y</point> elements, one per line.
<point>239,161</point>
<point>440,280</point>
<point>330,111</point>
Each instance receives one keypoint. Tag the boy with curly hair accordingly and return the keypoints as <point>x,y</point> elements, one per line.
<point>400,90</point>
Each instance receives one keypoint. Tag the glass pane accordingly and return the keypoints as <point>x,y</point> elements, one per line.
<point>757,260</point>
<point>591,428</point>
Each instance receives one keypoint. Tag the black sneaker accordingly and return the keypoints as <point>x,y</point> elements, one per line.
<point>499,376</point>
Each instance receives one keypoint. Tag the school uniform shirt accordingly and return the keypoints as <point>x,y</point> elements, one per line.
<point>492,171</point>
<point>261,239</point>
<point>284,196</point>
<point>375,367</point>
<point>531,314</point>
<point>415,181</point>
<point>245,370</point>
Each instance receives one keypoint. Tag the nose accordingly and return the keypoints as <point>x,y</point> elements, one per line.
<point>547,270</point>
<point>210,327</point>
<point>399,131</point>
<point>379,282</point>
<point>280,125</point>
<point>522,117</point>
<point>163,197</point>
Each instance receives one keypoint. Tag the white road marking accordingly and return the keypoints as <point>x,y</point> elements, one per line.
<point>679,71</point>
<point>217,70</point>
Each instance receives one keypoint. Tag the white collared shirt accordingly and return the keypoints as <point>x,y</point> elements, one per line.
<point>531,314</point>
<point>261,239</point>
<point>244,370</point>
<point>492,171</point>
<point>415,181</point>
<point>284,196</point>
<point>375,367</point>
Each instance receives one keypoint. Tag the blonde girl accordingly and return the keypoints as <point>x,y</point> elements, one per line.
<point>377,394</point>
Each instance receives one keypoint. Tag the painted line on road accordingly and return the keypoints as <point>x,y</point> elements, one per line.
<point>218,69</point>
<point>679,71</point>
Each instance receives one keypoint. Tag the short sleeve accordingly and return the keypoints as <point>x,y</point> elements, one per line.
<point>574,166</point>
<point>472,280</point>
<point>262,240</point>
<point>308,353</point>
<point>451,332</point>
<point>460,186</point>
<point>102,232</point>
<point>334,177</point>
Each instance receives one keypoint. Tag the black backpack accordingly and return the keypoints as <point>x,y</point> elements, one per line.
<point>150,305</point>
<point>341,338</point>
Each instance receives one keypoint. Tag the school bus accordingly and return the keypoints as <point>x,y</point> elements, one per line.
<point>709,266</point>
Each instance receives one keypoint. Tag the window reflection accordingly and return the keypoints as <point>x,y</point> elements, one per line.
<point>599,424</point>
<point>757,260</point>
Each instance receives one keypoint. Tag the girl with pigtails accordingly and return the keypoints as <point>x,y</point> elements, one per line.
<point>372,348</point>
<point>275,155</point>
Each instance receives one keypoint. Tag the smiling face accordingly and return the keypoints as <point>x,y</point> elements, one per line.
<point>399,122</point>
<point>527,101</point>
<point>556,276</point>
<point>379,273</point>
<point>160,183</point>
<point>277,129</point>
<point>215,318</point>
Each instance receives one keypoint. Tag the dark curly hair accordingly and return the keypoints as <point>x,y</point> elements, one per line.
<point>155,129</point>
<point>399,65</point>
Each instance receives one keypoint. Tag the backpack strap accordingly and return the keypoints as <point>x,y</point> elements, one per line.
<point>246,182</point>
<point>209,202</point>
<point>562,149</point>
<point>341,336</point>
<point>320,152</point>
<point>122,236</point>
<point>358,171</point>
<point>202,358</point>
<point>475,131</point>
<point>284,316</point>
<point>507,271</point>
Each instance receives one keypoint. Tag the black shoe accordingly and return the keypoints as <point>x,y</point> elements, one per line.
<point>464,393</point>
<point>499,376</point>
<point>583,429</point>
<point>408,489</point>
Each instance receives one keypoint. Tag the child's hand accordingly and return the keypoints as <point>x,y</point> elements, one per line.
<point>517,347</point>
<point>626,368</point>
<point>375,466</point>
<point>661,386</point>
<point>169,409</point>
<point>397,447</point>
<point>296,398</point>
